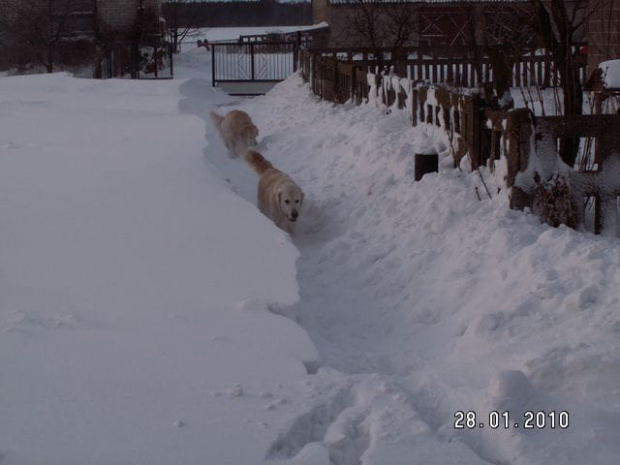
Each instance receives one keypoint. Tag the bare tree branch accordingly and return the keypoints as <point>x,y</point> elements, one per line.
<point>36,28</point>
<point>182,17</point>
<point>382,26</point>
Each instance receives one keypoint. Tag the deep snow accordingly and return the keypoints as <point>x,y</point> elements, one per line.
<point>139,320</point>
<point>133,324</point>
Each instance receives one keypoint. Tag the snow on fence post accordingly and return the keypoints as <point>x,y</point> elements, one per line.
<point>520,130</point>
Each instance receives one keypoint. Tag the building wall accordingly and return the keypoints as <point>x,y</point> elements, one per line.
<point>341,33</point>
<point>449,23</point>
<point>603,32</point>
<point>320,10</point>
<point>121,15</point>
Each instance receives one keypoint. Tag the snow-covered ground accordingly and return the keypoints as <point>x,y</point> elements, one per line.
<point>150,314</point>
<point>134,322</point>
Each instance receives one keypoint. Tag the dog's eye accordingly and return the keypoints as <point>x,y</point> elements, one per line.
<point>297,201</point>
<point>287,201</point>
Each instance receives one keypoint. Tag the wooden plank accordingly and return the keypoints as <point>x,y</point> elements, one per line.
<point>580,126</point>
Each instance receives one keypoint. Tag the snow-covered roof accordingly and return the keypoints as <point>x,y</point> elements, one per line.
<point>313,27</point>
<point>610,73</point>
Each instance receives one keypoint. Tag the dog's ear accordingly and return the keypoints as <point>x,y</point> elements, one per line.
<point>301,200</point>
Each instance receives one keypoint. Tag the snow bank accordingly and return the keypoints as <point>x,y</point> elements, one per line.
<point>136,285</point>
<point>455,303</point>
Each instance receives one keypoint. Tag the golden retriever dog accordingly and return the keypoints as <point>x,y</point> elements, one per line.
<point>279,198</point>
<point>237,130</point>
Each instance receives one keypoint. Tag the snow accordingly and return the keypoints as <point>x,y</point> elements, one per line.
<point>233,33</point>
<point>611,73</point>
<point>151,315</point>
<point>130,288</point>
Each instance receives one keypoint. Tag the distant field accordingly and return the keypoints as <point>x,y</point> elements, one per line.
<point>233,33</point>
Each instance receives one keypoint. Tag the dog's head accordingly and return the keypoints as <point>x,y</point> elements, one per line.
<point>290,199</point>
<point>251,135</point>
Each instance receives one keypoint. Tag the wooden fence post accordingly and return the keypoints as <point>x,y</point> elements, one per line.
<point>354,84</point>
<point>414,107</point>
<point>335,74</point>
<point>519,127</point>
<point>475,134</point>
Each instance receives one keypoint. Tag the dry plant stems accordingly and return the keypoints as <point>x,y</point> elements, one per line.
<point>539,96</point>
<point>556,101</point>
<point>531,99</point>
<point>529,92</point>
<point>526,102</point>
<point>553,202</point>
<point>477,193</point>
<point>484,183</point>
<point>541,100</point>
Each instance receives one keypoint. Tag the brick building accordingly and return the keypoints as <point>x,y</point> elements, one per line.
<point>603,31</point>
<point>120,16</point>
<point>452,24</point>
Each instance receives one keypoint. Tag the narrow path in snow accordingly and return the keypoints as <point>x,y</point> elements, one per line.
<point>354,296</point>
<point>349,304</point>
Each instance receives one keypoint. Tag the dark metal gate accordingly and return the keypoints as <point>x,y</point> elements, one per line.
<point>145,60</point>
<point>252,68</point>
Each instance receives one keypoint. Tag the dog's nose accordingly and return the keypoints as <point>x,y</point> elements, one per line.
<point>294,214</point>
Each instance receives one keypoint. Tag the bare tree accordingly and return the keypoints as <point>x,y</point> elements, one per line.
<point>503,38</point>
<point>560,25</point>
<point>35,28</point>
<point>182,17</point>
<point>382,26</point>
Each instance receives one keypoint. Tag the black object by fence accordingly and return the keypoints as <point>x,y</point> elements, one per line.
<point>252,68</point>
<point>425,163</point>
<point>148,60</point>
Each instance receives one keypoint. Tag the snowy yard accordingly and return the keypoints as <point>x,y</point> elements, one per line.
<point>149,313</point>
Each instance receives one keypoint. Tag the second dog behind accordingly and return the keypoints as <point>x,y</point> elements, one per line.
<point>237,130</point>
<point>279,198</point>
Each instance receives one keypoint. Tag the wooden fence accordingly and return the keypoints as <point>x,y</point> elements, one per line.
<point>459,114</point>
<point>482,133</point>
<point>439,66</point>
<point>333,80</point>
